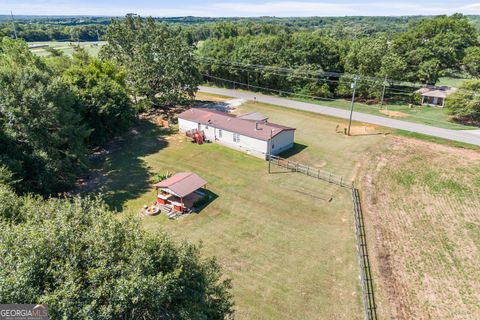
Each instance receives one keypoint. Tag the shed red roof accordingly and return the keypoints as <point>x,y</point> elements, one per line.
<point>225,121</point>
<point>182,183</point>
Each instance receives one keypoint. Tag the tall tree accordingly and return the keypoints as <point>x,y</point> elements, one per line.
<point>464,105</point>
<point>104,102</point>
<point>472,61</point>
<point>159,62</point>
<point>42,136</point>
<point>432,46</point>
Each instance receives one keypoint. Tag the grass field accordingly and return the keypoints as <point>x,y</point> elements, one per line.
<point>67,47</point>
<point>290,252</point>
<point>451,81</point>
<point>423,224</point>
<point>433,116</point>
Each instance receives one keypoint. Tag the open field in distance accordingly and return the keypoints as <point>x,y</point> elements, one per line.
<point>67,47</point>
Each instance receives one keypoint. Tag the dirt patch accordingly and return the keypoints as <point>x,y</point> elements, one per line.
<point>358,130</point>
<point>208,97</point>
<point>394,114</point>
<point>418,198</point>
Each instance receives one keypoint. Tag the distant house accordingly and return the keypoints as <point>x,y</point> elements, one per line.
<point>435,96</point>
<point>250,133</point>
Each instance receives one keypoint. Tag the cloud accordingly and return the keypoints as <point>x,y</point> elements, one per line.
<point>471,8</point>
<point>308,8</point>
<point>284,8</point>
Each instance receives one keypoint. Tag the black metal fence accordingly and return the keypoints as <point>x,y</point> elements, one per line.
<point>366,282</point>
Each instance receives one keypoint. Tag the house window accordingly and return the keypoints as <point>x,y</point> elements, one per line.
<point>236,137</point>
<point>219,133</point>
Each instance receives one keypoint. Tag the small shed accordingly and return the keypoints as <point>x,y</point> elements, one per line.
<point>435,96</point>
<point>180,191</point>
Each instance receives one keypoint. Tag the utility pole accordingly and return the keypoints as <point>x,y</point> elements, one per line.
<point>270,150</point>
<point>354,87</point>
<point>13,24</point>
<point>248,80</point>
<point>383,92</point>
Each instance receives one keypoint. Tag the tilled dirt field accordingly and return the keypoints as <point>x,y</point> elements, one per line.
<point>422,212</point>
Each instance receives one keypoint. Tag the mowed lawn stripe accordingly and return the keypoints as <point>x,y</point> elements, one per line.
<point>289,250</point>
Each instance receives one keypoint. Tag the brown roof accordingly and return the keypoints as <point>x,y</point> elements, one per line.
<point>255,116</point>
<point>437,92</point>
<point>182,183</point>
<point>225,121</point>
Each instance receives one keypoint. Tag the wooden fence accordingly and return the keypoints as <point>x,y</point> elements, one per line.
<point>312,172</point>
<point>366,282</point>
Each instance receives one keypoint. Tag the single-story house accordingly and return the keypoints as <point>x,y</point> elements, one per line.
<point>179,192</point>
<point>250,133</point>
<point>435,96</point>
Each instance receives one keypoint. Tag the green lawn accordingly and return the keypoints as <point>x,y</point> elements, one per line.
<point>290,252</point>
<point>92,47</point>
<point>450,81</point>
<point>433,116</point>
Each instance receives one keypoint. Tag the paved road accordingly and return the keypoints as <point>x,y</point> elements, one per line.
<point>467,136</point>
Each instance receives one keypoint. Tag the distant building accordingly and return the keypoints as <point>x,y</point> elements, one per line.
<point>37,46</point>
<point>250,133</point>
<point>435,96</point>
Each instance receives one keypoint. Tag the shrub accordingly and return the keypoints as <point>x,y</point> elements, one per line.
<point>85,263</point>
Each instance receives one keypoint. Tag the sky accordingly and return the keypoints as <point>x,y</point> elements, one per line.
<point>238,8</point>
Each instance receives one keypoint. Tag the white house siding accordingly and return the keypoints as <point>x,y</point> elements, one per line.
<point>185,125</point>
<point>255,147</point>
<point>283,141</point>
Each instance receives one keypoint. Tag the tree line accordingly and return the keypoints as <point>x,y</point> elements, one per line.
<point>55,110</point>
<point>52,28</point>
<point>72,253</point>
<point>323,64</point>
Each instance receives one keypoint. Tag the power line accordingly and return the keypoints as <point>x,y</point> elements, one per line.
<point>317,74</point>
<point>13,24</point>
<point>310,73</point>
<point>313,97</point>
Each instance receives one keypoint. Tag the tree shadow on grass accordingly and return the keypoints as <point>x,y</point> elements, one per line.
<point>121,174</point>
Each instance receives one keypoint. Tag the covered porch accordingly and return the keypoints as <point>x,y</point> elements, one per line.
<point>180,192</point>
<point>176,203</point>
